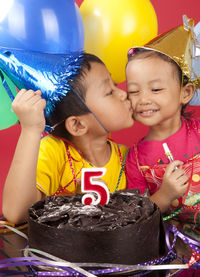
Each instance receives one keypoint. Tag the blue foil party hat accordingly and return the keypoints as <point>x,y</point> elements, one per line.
<point>50,73</point>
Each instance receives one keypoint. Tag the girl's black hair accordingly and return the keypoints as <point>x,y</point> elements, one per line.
<point>71,104</point>
<point>146,53</point>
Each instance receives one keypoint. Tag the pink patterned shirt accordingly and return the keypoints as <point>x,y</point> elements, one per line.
<point>184,145</point>
<point>146,164</point>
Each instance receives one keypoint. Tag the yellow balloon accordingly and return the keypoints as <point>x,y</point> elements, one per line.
<point>113,26</point>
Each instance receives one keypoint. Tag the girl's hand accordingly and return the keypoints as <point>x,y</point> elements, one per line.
<point>174,183</point>
<point>29,108</point>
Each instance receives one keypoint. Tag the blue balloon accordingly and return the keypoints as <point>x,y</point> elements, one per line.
<point>48,26</point>
<point>196,67</point>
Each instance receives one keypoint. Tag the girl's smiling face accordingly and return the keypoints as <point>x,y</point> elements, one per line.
<point>154,90</point>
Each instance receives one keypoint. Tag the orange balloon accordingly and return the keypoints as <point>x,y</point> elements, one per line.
<point>113,26</point>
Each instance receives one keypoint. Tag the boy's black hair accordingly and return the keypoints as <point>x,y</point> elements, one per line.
<point>146,53</point>
<point>71,103</point>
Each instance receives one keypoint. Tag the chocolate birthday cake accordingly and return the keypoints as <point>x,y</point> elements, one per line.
<point>128,230</point>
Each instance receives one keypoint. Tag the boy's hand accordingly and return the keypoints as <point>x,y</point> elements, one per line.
<point>29,108</point>
<point>175,180</point>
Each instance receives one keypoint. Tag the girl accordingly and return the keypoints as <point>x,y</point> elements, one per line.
<point>159,93</point>
<point>80,123</point>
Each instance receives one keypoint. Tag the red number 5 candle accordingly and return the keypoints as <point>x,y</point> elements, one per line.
<point>91,185</point>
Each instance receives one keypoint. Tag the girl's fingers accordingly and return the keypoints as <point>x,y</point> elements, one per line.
<point>184,188</point>
<point>178,173</point>
<point>183,180</point>
<point>173,166</point>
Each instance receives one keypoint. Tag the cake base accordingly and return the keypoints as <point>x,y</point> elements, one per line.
<point>134,243</point>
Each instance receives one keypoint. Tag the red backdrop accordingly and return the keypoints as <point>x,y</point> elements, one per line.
<point>169,14</point>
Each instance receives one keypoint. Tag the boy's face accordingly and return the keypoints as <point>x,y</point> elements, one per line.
<point>109,104</point>
<point>154,90</point>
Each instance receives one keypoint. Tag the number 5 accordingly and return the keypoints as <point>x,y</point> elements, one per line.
<point>91,185</point>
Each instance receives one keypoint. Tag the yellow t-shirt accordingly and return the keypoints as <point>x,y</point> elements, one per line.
<point>54,173</point>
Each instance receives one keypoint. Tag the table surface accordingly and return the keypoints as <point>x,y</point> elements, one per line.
<point>11,244</point>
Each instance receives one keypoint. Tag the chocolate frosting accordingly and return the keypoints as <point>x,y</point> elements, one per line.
<point>124,208</point>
